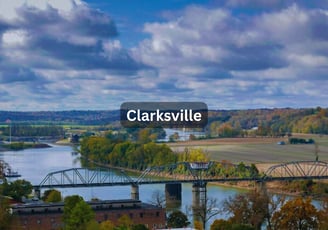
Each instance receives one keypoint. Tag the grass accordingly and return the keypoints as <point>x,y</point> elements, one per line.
<point>258,150</point>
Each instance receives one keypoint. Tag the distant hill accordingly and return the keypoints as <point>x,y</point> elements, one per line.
<point>88,117</point>
<point>228,122</point>
<point>269,122</point>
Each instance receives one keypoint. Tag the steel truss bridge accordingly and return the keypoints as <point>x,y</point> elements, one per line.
<point>182,172</point>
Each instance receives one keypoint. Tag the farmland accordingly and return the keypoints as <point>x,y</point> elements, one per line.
<point>261,151</point>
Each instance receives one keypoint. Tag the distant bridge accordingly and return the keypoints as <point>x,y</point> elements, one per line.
<point>183,172</point>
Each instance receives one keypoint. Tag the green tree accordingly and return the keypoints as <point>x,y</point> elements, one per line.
<point>77,213</point>
<point>177,219</point>
<point>52,195</point>
<point>139,227</point>
<point>17,189</point>
<point>228,225</point>
<point>144,136</point>
<point>125,222</point>
<point>107,225</point>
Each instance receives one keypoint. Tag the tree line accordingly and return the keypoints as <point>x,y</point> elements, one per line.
<point>267,122</point>
<point>20,130</point>
<point>139,156</point>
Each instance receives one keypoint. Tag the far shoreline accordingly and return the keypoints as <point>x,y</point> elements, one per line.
<point>17,146</point>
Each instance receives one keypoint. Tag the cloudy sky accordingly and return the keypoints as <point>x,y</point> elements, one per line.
<point>97,54</point>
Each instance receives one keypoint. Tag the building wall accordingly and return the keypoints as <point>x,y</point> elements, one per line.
<point>41,218</point>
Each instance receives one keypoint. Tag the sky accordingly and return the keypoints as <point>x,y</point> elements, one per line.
<point>96,54</point>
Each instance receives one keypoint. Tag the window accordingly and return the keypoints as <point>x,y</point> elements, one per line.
<point>131,215</point>
<point>157,214</point>
<point>141,215</point>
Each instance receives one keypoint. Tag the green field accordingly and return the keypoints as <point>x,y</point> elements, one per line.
<point>258,150</point>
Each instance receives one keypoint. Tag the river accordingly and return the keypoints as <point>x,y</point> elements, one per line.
<point>35,164</point>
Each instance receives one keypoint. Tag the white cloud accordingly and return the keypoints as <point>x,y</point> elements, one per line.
<point>14,38</point>
<point>65,54</point>
<point>261,55</point>
<point>8,8</point>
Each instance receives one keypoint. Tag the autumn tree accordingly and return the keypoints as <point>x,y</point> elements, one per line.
<point>324,214</point>
<point>248,209</point>
<point>296,214</point>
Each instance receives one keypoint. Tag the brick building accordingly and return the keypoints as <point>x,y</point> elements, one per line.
<point>49,215</point>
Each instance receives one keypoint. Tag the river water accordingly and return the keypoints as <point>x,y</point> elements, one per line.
<point>35,164</point>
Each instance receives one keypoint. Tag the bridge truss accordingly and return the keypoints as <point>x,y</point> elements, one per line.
<point>299,169</point>
<point>182,172</point>
<point>83,177</point>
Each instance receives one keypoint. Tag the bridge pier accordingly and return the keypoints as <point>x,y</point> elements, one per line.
<point>260,186</point>
<point>135,192</point>
<point>37,193</point>
<point>199,195</point>
<point>173,194</point>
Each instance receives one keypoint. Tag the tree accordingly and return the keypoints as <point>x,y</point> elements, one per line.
<point>221,224</point>
<point>248,209</point>
<point>52,195</point>
<point>206,210</point>
<point>198,225</point>
<point>107,225</point>
<point>324,214</point>
<point>139,227</point>
<point>177,219</point>
<point>158,199</point>
<point>228,225</point>
<point>77,213</point>
<point>297,214</point>
<point>5,216</point>
<point>144,136</point>
<point>125,222</point>
<point>17,189</point>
